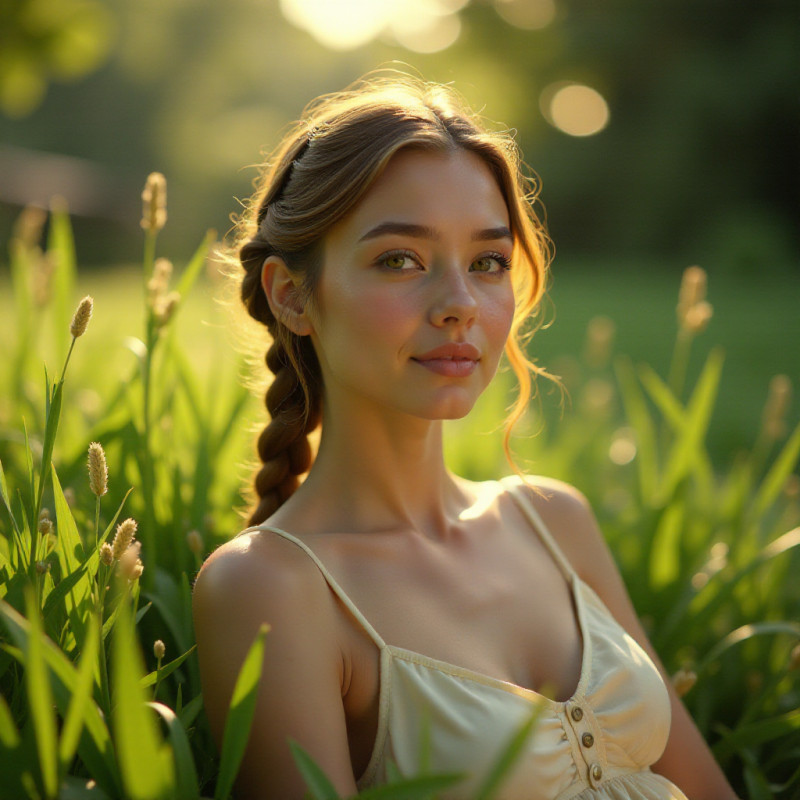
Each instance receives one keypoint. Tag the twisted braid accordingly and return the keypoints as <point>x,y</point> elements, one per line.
<point>283,445</point>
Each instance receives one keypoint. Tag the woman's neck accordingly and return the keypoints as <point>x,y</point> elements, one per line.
<point>378,471</point>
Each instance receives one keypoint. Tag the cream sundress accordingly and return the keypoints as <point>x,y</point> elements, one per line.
<point>598,744</point>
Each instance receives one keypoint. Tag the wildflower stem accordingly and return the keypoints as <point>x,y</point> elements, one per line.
<point>102,585</point>
<point>96,522</point>
<point>66,360</point>
<point>680,362</point>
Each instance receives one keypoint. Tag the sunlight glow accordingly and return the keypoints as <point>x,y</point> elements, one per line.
<point>574,109</point>
<point>424,26</point>
<point>527,14</point>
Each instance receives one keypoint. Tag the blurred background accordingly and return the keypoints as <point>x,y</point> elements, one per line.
<point>665,134</point>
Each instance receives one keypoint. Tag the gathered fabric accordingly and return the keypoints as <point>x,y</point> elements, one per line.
<point>442,718</point>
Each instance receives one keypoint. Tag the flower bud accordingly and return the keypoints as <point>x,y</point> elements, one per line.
<point>195,542</point>
<point>683,680</point>
<point>98,469</point>
<point>154,203</point>
<point>46,526</point>
<point>124,536</point>
<point>159,649</point>
<point>106,554</point>
<point>599,338</point>
<point>773,420</point>
<point>81,318</point>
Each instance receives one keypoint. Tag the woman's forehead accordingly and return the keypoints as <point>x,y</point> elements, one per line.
<point>453,189</point>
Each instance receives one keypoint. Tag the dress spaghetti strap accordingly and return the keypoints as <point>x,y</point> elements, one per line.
<point>331,581</point>
<point>519,490</point>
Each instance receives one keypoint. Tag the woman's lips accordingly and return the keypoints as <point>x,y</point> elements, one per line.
<point>453,360</point>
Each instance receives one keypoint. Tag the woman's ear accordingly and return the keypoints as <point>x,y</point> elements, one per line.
<point>284,296</point>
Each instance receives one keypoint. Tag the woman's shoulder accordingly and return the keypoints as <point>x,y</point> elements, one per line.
<point>552,498</point>
<point>568,518</point>
<point>259,569</point>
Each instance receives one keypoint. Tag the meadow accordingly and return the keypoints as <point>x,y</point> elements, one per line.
<point>687,450</point>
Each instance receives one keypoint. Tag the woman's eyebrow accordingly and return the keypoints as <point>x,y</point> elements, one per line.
<point>425,232</point>
<point>402,228</point>
<point>487,234</point>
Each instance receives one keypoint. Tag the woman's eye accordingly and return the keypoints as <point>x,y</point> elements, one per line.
<point>398,262</point>
<point>493,264</point>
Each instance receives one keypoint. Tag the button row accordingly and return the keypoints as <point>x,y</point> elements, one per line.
<point>587,740</point>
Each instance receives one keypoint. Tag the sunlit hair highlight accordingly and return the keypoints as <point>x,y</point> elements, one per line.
<point>326,163</point>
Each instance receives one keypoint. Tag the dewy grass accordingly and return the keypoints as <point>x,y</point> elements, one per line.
<point>709,554</point>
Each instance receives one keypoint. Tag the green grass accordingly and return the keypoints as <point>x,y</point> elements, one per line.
<point>700,503</point>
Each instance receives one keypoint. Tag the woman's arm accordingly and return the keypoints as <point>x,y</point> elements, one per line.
<point>687,760</point>
<point>249,581</point>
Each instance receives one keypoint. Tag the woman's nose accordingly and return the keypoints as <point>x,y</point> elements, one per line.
<point>453,302</point>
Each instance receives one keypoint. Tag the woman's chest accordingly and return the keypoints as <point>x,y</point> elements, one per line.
<point>504,612</point>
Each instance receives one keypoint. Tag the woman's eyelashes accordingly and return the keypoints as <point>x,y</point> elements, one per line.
<point>406,261</point>
<point>399,261</point>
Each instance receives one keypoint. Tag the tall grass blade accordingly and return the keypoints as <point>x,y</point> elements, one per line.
<point>510,755</point>
<point>50,431</point>
<point>82,695</point>
<point>687,447</point>
<point>195,265</point>
<point>61,246</point>
<point>777,475</point>
<point>95,748</point>
<point>140,749</point>
<point>317,782</point>
<point>186,786</point>
<point>665,552</point>
<point>166,670</point>
<point>746,632</point>
<point>240,715</point>
<point>6,499</point>
<point>9,735</point>
<point>40,701</point>
<point>639,417</point>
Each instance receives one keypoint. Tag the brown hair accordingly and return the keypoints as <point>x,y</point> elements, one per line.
<point>323,167</point>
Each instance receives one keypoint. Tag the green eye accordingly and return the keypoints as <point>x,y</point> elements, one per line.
<point>396,261</point>
<point>493,264</point>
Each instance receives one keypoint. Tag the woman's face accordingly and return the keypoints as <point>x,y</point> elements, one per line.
<point>414,303</point>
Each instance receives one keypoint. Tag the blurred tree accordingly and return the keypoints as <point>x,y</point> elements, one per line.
<point>697,163</point>
<point>48,40</point>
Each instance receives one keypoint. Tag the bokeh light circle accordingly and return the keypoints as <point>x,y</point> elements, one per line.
<point>574,108</point>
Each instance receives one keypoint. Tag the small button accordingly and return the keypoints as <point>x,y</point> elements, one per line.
<point>577,713</point>
<point>587,739</point>
<point>595,774</point>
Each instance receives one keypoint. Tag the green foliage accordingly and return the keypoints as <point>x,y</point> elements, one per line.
<point>707,552</point>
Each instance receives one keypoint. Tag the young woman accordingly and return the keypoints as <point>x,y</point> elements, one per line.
<point>393,254</point>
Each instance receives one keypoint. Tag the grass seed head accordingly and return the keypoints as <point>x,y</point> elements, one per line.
<point>683,680</point>
<point>195,542</point>
<point>98,469</point>
<point>159,649</point>
<point>80,319</point>
<point>130,565</point>
<point>164,308</point>
<point>154,203</point>
<point>123,538</point>
<point>46,526</point>
<point>773,419</point>
<point>106,554</point>
<point>693,310</point>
